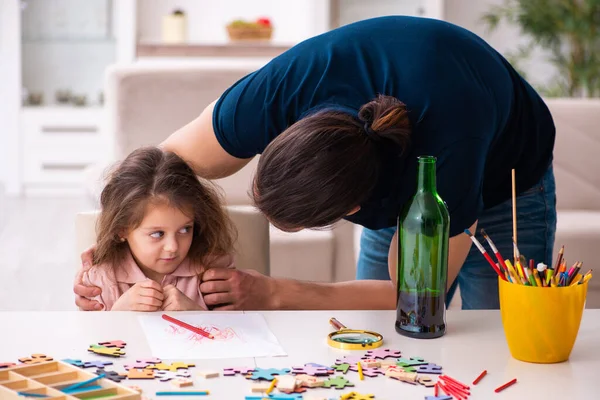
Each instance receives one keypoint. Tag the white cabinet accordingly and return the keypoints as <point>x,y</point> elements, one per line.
<point>59,144</point>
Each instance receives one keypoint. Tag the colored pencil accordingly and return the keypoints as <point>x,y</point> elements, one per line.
<point>80,384</point>
<point>507,384</point>
<point>40,396</point>
<point>494,249</point>
<point>187,326</point>
<point>485,254</point>
<point>271,386</point>
<point>456,382</point>
<point>559,260</point>
<point>480,377</point>
<point>360,371</point>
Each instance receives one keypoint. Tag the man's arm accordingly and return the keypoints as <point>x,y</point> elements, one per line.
<point>351,295</point>
<point>197,144</point>
<point>233,289</point>
<point>458,250</point>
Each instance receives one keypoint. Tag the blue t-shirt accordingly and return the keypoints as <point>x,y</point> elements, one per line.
<point>467,106</point>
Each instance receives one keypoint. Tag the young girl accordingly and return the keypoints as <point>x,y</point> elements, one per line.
<point>160,228</point>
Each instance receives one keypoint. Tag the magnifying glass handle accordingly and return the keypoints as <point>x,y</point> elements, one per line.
<point>337,324</point>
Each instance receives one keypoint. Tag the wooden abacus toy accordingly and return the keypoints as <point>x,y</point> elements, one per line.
<point>51,380</point>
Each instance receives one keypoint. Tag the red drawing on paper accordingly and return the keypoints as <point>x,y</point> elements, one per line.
<point>220,335</point>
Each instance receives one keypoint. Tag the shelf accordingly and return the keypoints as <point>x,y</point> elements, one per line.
<point>230,49</point>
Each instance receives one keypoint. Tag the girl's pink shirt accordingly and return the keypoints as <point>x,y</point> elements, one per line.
<point>114,280</point>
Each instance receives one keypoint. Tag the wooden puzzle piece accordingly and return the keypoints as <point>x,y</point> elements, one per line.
<point>370,372</point>
<point>408,377</point>
<point>115,343</point>
<point>387,362</point>
<point>137,365</point>
<point>207,374</point>
<point>7,365</point>
<point>75,363</point>
<point>352,360</point>
<point>429,369</point>
<point>96,364</point>
<point>140,374</point>
<point>182,382</point>
<point>297,389</point>
<point>111,375</point>
<point>343,368</point>
<point>286,383</point>
<point>426,381</point>
<point>313,371</point>
<point>267,374</point>
<point>165,376</point>
<point>35,359</point>
<point>370,363</point>
<point>106,351</point>
<point>410,362</point>
<point>260,387</point>
<point>339,382</point>
<point>438,397</point>
<point>237,370</point>
<point>309,381</point>
<point>383,353</point>
<point>394,370</point>
<point>358,396</point>
<point>173,367</point>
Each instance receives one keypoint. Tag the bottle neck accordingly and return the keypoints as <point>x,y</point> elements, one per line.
<point>426,174</point>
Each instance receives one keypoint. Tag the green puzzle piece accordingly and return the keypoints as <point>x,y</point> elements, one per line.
<point>343,368</point>
<point>339,382</point>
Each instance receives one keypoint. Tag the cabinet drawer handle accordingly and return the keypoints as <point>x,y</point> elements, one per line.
<point>64,167</point>
<point>69,129</point>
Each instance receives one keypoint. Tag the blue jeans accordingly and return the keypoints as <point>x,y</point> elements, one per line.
<point>536,228</point>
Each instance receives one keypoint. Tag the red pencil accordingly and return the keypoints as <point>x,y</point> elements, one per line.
<point>480,377</point>
<point>495,250</point>
<point>485,254</point>
<point>501,388</point>
<point>187,326</point>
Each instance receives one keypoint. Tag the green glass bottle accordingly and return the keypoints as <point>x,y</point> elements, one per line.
<point>422,268</point>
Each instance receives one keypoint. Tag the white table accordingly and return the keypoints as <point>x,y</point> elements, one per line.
<point>474,342</point>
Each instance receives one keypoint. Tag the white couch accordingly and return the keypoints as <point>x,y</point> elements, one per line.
<point>577,171</point>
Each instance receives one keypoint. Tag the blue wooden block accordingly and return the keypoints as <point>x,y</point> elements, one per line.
<point>438,397</point>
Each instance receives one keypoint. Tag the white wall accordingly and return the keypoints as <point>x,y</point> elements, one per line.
<point>467,13</point>
<point>293,21</point>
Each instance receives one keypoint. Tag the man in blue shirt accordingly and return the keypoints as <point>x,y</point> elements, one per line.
<point>340,120</point>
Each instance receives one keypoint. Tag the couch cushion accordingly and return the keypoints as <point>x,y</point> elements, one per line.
<point>576,152</point>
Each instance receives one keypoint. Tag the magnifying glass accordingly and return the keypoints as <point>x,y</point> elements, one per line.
<point>352,339</point>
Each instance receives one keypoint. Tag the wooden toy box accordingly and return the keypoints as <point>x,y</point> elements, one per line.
<point>48,378</point>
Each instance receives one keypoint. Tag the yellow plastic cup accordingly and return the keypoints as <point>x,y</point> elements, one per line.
<point>541,323</point>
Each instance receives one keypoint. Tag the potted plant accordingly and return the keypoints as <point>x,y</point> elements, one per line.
<point>569,29</point>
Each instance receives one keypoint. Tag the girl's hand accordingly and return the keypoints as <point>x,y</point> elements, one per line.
<point>177,301</point>
<point>143,296</point>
